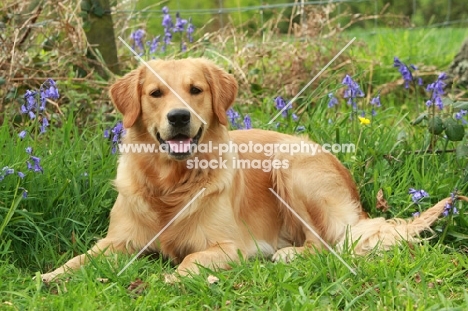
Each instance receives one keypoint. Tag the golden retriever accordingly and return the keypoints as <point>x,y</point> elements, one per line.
<point>237,212</point>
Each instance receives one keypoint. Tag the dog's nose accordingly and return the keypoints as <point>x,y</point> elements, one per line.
<point>178,117</point>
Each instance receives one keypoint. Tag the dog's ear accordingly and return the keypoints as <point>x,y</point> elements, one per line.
<point>223,89</point>
<point>126,94</point>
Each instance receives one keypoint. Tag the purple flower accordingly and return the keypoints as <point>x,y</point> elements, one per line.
<point>21,175</point>
<point>404,71</point>
<point>167,39</point>
<point>30,98</point>
<point>137,38</point>
<point>28,150</point>
<point>300,128</point>
<point>247,122</point>
<point>190,29</point>
<point>352,91</point>
<point>53,90</point>
<point>417,195</point>
<point>45,124</point>
<point>280,103</point>
<point>118,131</point>
<point>233,116</point>
<point>376,101</point>
<point>180,23</point>
<point>154,44</point>
<point>333,100</point>
<point>37,164</point>
<point>25,192</point>
<point>416,214</point>
<point>22,134</point>
<point>167,19</point>
<point>48,90</point>
<point>7,171</point>
<point>459,116</point>
<point>437,90</point>
<point>449,207</point>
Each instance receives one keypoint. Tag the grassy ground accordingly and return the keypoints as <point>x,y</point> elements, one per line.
<point>68,204</point>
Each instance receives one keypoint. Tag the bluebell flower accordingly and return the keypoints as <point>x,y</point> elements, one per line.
<point>404,71</point>
<point>25,192</point>
<point>36,165</point>
<point>5,172</point>
<point>300,128</point>
<point>280,103</point>
<point>28,150</point>
<point>167,19</point>
<point>437,90</point>
<point>333,101</point>
<point>233,116</point>
<point>137,38</point>
<point>48,90</point>
<point>45,124</point>
<point>118,131</point>
<point>154,44</point>
<point>167,39</point>
<point>21,175</point>
<point>352,91</point>
<point>22,134</point>
<point>247,122</point>
<point>376,101</point>
<point>460,116</point>
<point>417,195</point>
<point>180,23</point>
<point>190,30</point>
<point>450,207</point>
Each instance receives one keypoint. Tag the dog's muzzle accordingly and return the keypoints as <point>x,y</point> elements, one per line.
<point>180,145</point>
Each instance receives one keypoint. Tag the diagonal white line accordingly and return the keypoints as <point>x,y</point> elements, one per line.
<point>162,80</point>
<point>313,231</point>
<point>313,79</point>
<point>159,233</point>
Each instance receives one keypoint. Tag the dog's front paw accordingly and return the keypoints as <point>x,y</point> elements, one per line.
<point>48,277</point>
<point>171,278</point>
<point>286,254</point>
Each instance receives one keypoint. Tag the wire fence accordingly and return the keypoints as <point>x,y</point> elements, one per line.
<point>412,14</point>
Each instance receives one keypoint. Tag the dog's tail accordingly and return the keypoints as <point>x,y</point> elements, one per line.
<point>382,233</point>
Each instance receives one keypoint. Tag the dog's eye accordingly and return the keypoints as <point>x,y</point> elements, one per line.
<point>195,90</point>
<point>156,93</point>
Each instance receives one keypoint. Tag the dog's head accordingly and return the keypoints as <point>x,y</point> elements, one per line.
<point>176,102</point>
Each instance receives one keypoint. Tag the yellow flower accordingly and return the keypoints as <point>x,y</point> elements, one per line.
<point>363,120</point>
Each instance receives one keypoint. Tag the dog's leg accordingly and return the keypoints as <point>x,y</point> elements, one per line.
<point>287,254</point>
<point>216,257</point>
<point>104,246</point>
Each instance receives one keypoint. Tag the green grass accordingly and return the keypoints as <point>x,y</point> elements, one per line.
<point>68,205</point>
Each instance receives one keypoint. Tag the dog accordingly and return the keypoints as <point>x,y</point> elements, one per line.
<point>237,211</point>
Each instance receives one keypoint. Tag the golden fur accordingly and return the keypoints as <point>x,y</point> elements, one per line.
<point>237,212</point>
